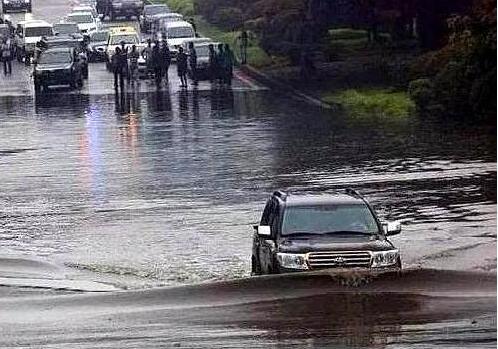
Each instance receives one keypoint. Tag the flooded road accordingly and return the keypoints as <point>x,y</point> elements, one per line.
<point>152,193</point>
<point>160,188</point>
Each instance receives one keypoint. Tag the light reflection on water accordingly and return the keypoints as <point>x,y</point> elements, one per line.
<point>161,188</point>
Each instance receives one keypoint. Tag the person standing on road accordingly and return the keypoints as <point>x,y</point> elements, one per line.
<point>192,60</point>
<point>124,60</point>
<point>243,44</point>
<point>156,62</point>
<point>6,52</point>
<point>220,64</point>
<point>212,63</point>
<point>165,59</point>
<point>182,65</point>
<point>147,55</point>
<point>117,68</point>
<point>133,64</point>
<point>229,63</point>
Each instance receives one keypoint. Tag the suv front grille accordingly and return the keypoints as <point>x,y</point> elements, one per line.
<point>339,259</point>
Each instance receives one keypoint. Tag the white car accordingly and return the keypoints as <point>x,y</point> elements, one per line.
<point>85,20</point>
<point>86,8</point>
<point>28,33</point>
<point>176,33</point>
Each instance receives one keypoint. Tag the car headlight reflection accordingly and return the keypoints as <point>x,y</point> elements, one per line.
<point>384,258</point>
<point>292,261</point>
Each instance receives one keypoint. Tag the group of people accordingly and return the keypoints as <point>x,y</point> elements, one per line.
<point>158,59</point>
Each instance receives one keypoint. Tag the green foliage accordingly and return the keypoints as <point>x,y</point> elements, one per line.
<point>463,73</point>
<point>185,7</point>
<point>421,92</point>
<point>372,102</point>
<point>347,34</point>
<point>230,18</point>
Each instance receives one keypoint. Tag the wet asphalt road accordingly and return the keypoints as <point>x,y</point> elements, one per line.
<point>159,187</point>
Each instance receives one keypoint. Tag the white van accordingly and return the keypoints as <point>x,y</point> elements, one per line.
<point>28,33</point>
<point>176,33</point>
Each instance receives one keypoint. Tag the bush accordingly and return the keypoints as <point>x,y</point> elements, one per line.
<point>421,92</point>
<point>230,18</point>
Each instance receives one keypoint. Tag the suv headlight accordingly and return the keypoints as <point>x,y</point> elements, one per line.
<point>292,261</point>
<point>384,258</point>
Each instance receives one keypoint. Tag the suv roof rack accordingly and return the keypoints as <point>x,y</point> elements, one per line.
<point>280,194</point>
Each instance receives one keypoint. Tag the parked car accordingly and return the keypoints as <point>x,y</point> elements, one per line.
<point>85,20</point>
<point>16,5</point>
<point>176,33</point>
<point>150,13</point>
<point>86,8</point>
<point>158,23</point>
<point>310,232</point>
<point>67,28</point>
<point>97,46</point>
<point>125,8</point>
<point>74,41</point>
<point>57,66</point>
<point>201,46</point>
<point>28,33</point>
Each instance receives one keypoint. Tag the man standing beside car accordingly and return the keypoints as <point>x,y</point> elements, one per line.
<point>165,59</point>
<point>192,60</point>
<point>7,56</point>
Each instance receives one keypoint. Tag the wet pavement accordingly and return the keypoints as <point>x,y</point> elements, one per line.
<point>149,188</point>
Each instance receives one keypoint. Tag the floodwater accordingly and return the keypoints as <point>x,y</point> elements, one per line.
<point>125,220</point>
<point>160,188</point>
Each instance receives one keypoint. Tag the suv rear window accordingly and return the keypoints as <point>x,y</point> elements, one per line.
<point>328,219</point>
<point>38,31</point>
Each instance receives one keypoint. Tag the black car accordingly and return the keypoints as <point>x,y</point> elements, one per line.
<point>97,46</point>
<point>150,13</point>
<point>312,232</point>
<point>125,8</point>
<point>16,5</point>
<point>58,66</point>
<point>76,41</point>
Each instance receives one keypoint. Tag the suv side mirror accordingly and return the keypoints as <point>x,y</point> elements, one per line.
<point>392,228</point>
<point>264,231</point>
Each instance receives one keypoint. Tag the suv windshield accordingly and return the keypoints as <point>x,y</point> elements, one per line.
<point>180,32</point>
<point>38,31</point>
<point>80,19</point>
<point>66,28</point>
<point>153,10</point>
<point>126,38</point>
<point>328,219</point>
<point>55,57</point>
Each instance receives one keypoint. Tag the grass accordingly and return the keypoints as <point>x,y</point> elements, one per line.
<point>372,102</point>
<point>255,54</point>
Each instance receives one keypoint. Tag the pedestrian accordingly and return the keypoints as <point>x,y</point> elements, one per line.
<point>194,26</point>
<point>156,62</point>
<point>147,55</point>
<point>124,60</point>
<point>243,44</point>
<point>165,59</point>
<point>182,64</point>
<point>212,63</point>
<point>118,66</point>
<point>220,64</point>
<point>133,64</point>
<point>6,52</point>
<point>192,60</point>
<point>229,61</point>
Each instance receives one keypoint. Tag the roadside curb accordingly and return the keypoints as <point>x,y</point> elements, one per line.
<point>275,84</point>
